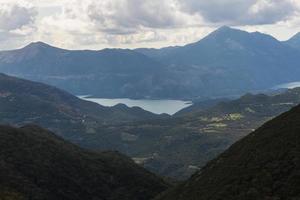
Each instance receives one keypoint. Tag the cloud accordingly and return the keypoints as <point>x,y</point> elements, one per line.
<point>95,24</point>
<point>14,16</point>
<point>114,23</point>
<point>127,16</point>
<point>241,12</point>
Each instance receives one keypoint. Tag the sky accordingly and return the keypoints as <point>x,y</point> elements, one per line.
<point>98,24</point>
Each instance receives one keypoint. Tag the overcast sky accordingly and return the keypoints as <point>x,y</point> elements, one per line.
<point>97,24</point>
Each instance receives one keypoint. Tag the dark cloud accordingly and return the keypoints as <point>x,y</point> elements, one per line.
<point>240,12</point>
<point>128,16</point>
<point>14,16</point>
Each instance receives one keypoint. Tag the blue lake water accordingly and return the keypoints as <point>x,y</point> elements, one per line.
<point>290,85</point>
<point>155,106</point>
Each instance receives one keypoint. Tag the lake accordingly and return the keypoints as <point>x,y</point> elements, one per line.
<point>156,106</point>
<point>290,85</point>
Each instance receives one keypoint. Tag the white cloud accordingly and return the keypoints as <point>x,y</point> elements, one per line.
<point>113,23</point>
<point>85,24</point>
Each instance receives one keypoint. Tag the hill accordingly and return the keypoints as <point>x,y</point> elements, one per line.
<point>36,164</point>
<point>263,165</point>
<point>25,102</point>
<point>201,105</point>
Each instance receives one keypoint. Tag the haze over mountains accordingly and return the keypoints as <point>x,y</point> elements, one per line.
<point>226,62</point>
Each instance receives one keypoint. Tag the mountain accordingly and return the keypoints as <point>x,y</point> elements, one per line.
<point>230,61</point>
<point>25,102</point>
<point>36,164</point>
<point>263,165</point>
<point>105,73</point>
<point>294,41</point>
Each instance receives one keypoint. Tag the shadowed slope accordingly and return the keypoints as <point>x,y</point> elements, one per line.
<point>36,164</point>
<point>263,165</point>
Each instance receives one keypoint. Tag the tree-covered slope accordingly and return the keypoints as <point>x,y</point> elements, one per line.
<point>263,165</point>
<point>36,164</point>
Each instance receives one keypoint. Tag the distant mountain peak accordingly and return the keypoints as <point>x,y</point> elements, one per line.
<point>225,32</point>
<point>37,49</point>
<point>39,46</point>
<point>237,38</point>
<point>225,28</point>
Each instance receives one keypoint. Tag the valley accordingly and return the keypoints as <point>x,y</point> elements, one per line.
<point>173,146</point>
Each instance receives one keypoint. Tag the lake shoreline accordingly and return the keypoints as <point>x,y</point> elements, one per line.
<point>159,106</point>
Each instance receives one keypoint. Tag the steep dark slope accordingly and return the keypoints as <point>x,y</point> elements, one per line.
<point>108,73</point>
<point>263,165</point>
<point>36,164</point>
<point>294,41</point>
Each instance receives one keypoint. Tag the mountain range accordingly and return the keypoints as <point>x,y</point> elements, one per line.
<point>226,62</point>
<point>230,61</point>
<point>36,164</point>
<point>263,165</point>
<point>107,73</point>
